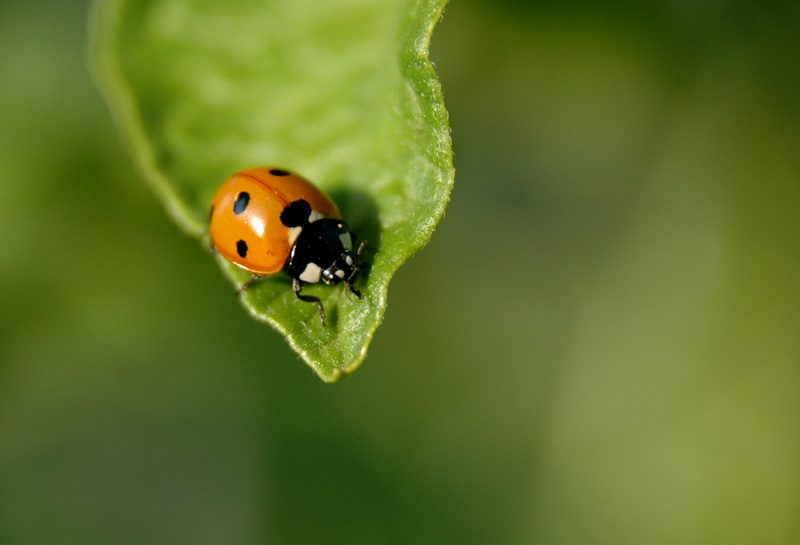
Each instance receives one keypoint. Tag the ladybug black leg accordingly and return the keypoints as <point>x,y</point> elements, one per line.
<point>248,283</point>
<point>350,287</point>
<point>348,282</point>
<point>297,285</point>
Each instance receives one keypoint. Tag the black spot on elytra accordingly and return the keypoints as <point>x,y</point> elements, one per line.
<point>296,214</point>
<point>279,172</point>
<point>241,248</point>
<point>242,200</point>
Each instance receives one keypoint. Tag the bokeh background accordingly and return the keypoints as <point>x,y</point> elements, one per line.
<point>601,343</point>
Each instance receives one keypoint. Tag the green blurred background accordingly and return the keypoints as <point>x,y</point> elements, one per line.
<point>601,343</point>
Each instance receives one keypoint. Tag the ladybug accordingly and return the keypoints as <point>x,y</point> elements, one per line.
<point>267,219</point>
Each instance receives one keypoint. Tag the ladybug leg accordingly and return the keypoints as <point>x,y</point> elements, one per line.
<point>297,285</point>
<point>249,282</point>
<point>348,282</point>
<point>350,288</point>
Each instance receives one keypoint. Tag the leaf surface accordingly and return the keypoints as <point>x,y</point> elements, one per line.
<point>340,91</point>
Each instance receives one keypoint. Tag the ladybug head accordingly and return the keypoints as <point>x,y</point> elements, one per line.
<point>343,269</point>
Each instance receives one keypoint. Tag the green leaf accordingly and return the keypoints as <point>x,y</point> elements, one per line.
<point>340,91</point>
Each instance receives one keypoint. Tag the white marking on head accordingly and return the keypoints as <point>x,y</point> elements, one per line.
<point>339,273</point>
<point>347,241</point>
<point>349,260</point>
<point>311,273</point>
